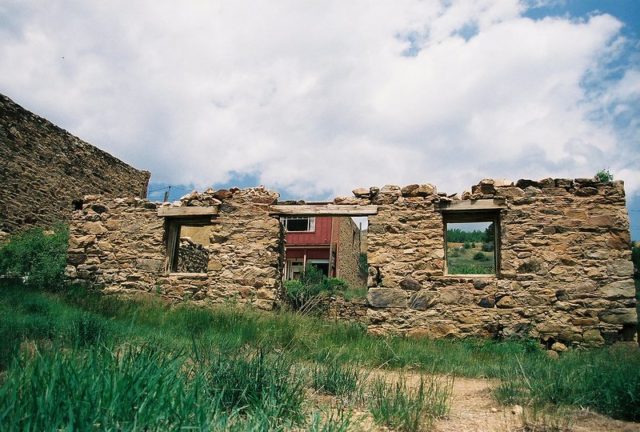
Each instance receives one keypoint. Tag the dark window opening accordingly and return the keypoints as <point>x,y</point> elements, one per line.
<point>299,224</point>
<point>471,243</point>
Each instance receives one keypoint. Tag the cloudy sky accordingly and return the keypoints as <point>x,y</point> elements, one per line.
<point>313,98</point>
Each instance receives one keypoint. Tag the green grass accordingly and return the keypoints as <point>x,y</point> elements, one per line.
<point>397,406</point>
<point>469,260</point>
<point>607,380</point>
<point>335,378</point>
<point>248,364</point>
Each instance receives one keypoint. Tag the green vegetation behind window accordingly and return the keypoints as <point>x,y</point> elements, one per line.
<point>471,251</point>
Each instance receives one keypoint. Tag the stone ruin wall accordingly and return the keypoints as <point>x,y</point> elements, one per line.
<point>348,252</point>
<point>565,275</point>
<point>45,168</point>
<point>119,245</point>
<point>565,262</point>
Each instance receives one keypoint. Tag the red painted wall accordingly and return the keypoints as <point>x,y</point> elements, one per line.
<point>321,236</point>
<point>311,253</point>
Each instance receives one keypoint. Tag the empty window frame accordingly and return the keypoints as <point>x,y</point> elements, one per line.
<point>186,253</point>
<point>472,243</point>
<point>299,224</point>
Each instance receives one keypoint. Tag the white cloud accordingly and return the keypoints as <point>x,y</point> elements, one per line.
<point>317,97</point>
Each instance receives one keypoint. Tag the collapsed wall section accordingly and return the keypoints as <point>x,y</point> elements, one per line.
<point>45,168</point>
<point>120,245</point>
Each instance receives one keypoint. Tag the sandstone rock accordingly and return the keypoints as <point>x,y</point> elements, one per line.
<point>410,284</point>
<point>506,302</point>
<point>517,410</point>
<point>387,297</point>
<point>361,192</point>
<point>621,268</point>
<point>586,191</point>
<point>151,265</point>
<point>435,330</point>
<point>222,194</point>
<point>558,347</point>
<point>94,228</point>
<point>416,190</point>
<point>553,354</point>
<point>214,265</point>
<point>423,300</point>
<point>450,295</point>
<point>619,316</point>
<point>592,337</point>
<point>625,288</point>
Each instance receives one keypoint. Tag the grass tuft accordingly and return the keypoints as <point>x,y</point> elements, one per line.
<point>397,406</point>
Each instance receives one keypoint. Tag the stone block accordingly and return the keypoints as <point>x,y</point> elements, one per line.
<point>625,288</point>
<point>410,284</point>
<point>387,297</point>
<point>620,316</point>
<point>150,265</point>
<point>423,300</point>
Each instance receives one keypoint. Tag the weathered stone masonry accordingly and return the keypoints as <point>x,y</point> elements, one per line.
<point>565,268</point>
<point>120,245</point>
<point>43,169</point>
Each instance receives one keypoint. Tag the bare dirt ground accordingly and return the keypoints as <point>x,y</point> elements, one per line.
<point>473,408</point>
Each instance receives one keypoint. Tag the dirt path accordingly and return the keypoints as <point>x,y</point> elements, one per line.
<point>474,409</point>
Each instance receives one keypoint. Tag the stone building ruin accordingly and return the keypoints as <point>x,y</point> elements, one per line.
<point>45,171</point>
<point>563,269</point>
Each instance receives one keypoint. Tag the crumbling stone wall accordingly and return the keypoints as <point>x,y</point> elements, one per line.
<point>120,246</point>
<point>192,257</point>
<point>565,270</point>
<point>45,168</point>
<point>565,274</point>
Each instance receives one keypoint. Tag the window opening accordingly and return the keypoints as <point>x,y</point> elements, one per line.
<point>300,224</point>
<point>187,245</point>
<point>471,244</point>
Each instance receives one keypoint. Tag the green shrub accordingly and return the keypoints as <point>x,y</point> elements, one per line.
<point>604,176</point>
<point>488,247</point>
<point>307,294</point>
<point>479,256</point>
<point>467,245</point>
<point>38,257</point>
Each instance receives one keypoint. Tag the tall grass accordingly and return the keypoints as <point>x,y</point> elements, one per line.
<point>398,406</point>
<point>335,378</point>
<point>606,380</point>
